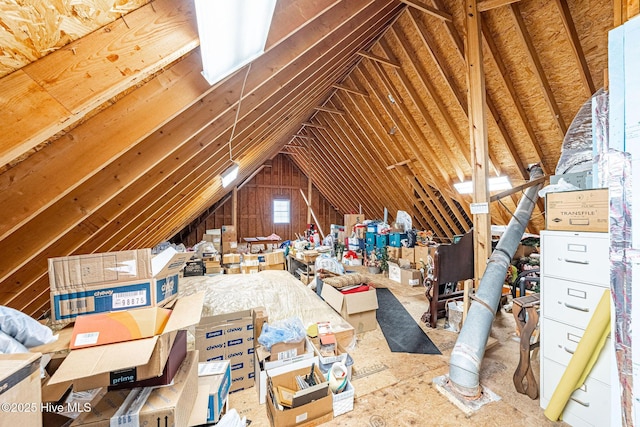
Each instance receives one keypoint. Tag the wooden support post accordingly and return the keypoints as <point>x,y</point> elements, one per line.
<point>309,192</point>
<point>465,299</point>
<point>234,207</point>
<point>313,214</point>
<point>479,142</point>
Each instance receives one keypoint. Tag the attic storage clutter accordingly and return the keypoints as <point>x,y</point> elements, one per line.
<point>118,138</point>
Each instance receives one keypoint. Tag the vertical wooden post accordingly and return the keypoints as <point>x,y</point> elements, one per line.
<point>234,207</point>
<point>465,299</point>
<point>478,139</point>
<point>309,193</point>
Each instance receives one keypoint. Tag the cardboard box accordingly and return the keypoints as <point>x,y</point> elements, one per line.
<point>174,361</point>
<point>524,251</point>
<point>249,269</point>
<point>393,253</point>
<point>216,376</point>
<point>171,404</point>
<point>232,269</point>
<point>128,361</point>
<point>584,210</point>
<point>423,253</point>
<point>229,337</point>
<point>214,231</point>
<point>264,369</point>
<point>410,277</point>
<point>408,254</point>
<point>273,267</point>
<point>229,247</point>
<point>273,258</point>
<point>229,234</point>
<point>71,297</point>
<point>359,309</point>
<point>231,259</point>
<point>395,272</point>
<point>20,386</point>
<point>350,220</point>
<point>313,413</point>
<point>118,326</point>
<point>287,350</point>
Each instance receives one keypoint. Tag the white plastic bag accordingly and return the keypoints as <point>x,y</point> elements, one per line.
<point>25,329</point>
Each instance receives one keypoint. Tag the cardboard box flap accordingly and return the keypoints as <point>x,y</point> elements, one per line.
<point>118,326</point>
<point>86,362</point>
<point>186,312</point>
<point>360,302</point>
<point>200,407</point>
<point>333,297</point>
<point>168,262</point>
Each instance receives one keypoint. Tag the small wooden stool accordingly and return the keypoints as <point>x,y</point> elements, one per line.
<point>525,311</point>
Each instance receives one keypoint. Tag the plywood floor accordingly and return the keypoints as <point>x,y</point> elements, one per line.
<point>394,389</point>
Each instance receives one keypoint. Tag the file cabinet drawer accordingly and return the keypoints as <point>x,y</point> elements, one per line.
<point>559,342</point>
<point>588,406</point>
<point>569,302</point>
<point>581,257</point>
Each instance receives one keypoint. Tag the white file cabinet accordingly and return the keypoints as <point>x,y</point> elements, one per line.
<point>574,275</point>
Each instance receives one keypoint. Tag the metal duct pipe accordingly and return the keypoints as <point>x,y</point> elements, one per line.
<point>468,352</point>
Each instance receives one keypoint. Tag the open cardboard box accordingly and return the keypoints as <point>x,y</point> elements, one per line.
<point>359,308</point>
<point>128,361</point>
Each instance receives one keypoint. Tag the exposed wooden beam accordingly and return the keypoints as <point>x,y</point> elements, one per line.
<point>478,138</point>
<point>313,125</point>
<point>576,47</point>
<point>329,110</point>
<point>518,188</point>
<point>485,5</point>
<point>350,90</point>
<point>303,136</point>
<point>430,10</point>
<point>378,59</point>
<point>538,70</point>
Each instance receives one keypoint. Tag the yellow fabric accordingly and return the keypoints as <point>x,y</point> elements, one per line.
<point>583,359</point>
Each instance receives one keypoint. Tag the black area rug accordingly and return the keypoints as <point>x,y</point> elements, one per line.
<point>402,333</point>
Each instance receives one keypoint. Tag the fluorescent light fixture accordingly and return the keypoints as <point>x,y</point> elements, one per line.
<point>232,34</point>
<point>229,175</point>
<point>496,183</point>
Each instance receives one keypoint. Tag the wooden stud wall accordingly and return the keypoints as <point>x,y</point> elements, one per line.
<point>255,218</point>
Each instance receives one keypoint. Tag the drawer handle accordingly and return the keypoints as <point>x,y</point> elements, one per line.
<point>580,402</point>
<point>575,261</point>
<point>568,350</point>
<point>575,307</point>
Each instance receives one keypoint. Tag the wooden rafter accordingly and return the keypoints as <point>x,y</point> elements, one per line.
<point>416,4</point>
<point>380,153</point>
<point>329,110</point>
<point>313,125</point>
<point>378,59</point>
<point>538,71</point>
<point>433,93</point>
<point>350,90</point>
<point>576,47</point>
<point>485,5</point>
<point>431,124</point>
<point>366,77</point>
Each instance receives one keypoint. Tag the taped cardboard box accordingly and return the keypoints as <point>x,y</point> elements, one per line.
<point>20,389</point>
<point>410,277</point>
<point>272,267</point>
<point>76,292</point>
<point>129,361</point>
<point>584,210</point>
<point>162,405</point>
<point>359,308</point>
<point>229,337</point>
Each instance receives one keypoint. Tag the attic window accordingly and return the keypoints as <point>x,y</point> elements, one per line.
<point>281,211</point>
<point>232,34</point>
